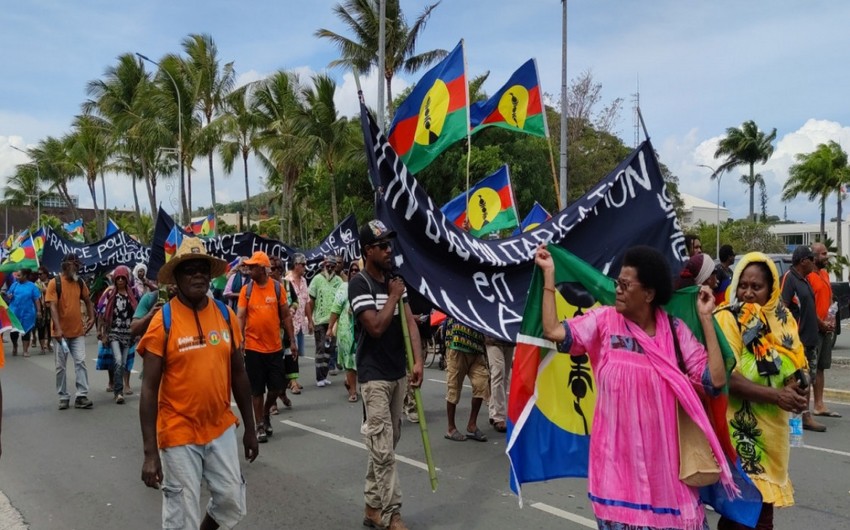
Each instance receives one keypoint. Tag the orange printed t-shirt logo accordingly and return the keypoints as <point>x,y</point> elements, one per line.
<point>192,413</point>
<point>262,318</point>
<point>215,338</point>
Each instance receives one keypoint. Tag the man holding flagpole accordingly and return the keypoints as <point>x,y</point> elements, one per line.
<point>374,295</point>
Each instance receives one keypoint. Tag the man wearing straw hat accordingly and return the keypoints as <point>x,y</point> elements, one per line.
<point>381,369</point>
<point>192,364</point>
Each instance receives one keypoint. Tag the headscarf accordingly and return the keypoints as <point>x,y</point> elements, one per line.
<point>696,271</point>
<point>120,271</point>
<point>770,330</point>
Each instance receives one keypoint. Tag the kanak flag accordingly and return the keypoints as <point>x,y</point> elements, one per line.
<point>435,114</point>
<point>491,205</point>
<point>516,106</point>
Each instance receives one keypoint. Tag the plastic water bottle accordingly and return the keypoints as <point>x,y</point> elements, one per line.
<point>65,347</point>
<point>327,344</point>
<point>830,314</point>
<point>795,422</point>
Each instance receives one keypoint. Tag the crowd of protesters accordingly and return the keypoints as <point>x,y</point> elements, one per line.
<point>251,324</point>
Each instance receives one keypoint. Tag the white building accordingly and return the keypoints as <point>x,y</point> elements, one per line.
<point>795,234</point>
<point>697,210</point>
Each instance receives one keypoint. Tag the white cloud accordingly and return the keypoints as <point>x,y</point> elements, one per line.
<point>683,155</point>
<point>347,102</point>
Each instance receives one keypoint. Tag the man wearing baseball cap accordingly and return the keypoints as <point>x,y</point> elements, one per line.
<point>193,362</point>
<point>263,311</point>
<point>63,295</point>
<point>798,296</point>
<point>381,369</point>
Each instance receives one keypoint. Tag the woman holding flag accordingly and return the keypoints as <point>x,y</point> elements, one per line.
<point>633,479</point>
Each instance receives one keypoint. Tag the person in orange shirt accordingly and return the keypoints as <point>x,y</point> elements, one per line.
<point>261,316</point>
<point>193,361</point>
<point>69,330</point>
<point>819,280</point>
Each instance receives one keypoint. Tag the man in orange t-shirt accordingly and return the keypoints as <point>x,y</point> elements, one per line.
<point>261,317</point>
<point>188,428</point>
<point>819,280</point>
<point>69,329</point>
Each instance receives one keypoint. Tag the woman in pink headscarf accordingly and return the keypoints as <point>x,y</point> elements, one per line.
<point>115,327</point>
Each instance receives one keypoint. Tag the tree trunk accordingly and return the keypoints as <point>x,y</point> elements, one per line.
<point>752,184</point>
<point>189,195</point>
<point>823,219</point>
<point>184,211</point>
<point>247,192</point>
<point>389,108</point>
<point>105,208</point>
<point>138,210</point>
<point>839,212</point>
<point>334,212</point>
<point>91,183</point>
<point>212,182</point>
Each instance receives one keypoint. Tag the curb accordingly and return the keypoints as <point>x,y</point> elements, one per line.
<point>841,396</point>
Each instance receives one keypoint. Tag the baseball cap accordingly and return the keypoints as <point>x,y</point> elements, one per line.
<point>259,258</point>
<point>374,231</point>
<point>801,253</point>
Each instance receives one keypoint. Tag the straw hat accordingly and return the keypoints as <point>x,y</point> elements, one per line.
<point>190,248</point>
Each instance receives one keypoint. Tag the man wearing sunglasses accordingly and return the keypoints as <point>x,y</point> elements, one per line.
<point>382,369</point>
<point>323,288</point>
<point>193,364</point>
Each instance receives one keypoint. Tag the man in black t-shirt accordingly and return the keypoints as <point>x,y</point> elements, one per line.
<point>381,369</point>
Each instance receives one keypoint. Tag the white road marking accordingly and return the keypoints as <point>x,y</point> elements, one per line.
<point>563,514</point>
<point>342,439</point>
<point>443,382</point>
<point>825,450</point>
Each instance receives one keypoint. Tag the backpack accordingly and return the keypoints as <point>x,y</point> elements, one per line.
<point>59,287</point>
<point>251,288</point>
<point>166,321</point>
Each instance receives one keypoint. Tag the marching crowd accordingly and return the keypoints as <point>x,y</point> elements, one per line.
<point>243,336</point>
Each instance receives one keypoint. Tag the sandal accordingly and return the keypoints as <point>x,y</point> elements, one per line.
<point>128,391</point>
<point>352,398</point>
<point>455,436</point>
<point>478,436</point>
<point>500,426</point>
<point>273,410</point>
<point>286,401</point>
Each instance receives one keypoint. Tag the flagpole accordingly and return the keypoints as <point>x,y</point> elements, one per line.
<point>563,183</point>
<point>468,132</point>
<point>382,59</point>
<point>548,141</point>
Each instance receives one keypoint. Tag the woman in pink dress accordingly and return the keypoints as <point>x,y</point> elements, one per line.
<point>633,478</point>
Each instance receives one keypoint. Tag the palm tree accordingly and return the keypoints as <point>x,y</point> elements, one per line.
<point>24,188</point>
<point>238,129</point>
<point>210,85</point>
<point>57,168</point>
<point>320,130</point>
<point>119,99</point>
<point>91,145</point>
<point>745,146</point>
<point>819,174</point>
<point>360,52</point>
<point>277,103</point>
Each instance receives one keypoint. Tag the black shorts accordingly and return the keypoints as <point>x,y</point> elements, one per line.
<point>265,371</point>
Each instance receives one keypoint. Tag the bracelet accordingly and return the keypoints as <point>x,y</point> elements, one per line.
<point>549,289</point>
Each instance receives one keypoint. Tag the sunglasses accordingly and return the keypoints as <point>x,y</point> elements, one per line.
<point>192,270</point>
<point>354,270</point>
<point>383,245</point>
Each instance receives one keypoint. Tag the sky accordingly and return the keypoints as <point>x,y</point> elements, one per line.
<point>700,67</point>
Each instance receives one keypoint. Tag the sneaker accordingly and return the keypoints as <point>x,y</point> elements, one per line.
<point>327,382</point>
<point>321,383</point>
<point>261,435</point>
<point>412,416</point>
<point>83,402</point>
<point>119,399</point>
<point>64,404</point>
<point>268,423</point>
<point>333,371</point>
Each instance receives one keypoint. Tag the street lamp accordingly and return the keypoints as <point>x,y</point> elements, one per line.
<point>718,176</point>
<point>179,129</point>
<point>37,186</point>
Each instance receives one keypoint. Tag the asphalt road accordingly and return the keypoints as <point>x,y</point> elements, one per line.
<point>80,469</point>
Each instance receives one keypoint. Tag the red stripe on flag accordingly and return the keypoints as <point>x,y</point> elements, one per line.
<point>534,108</point>
<point>507,199</point>
<point>523,379</point>
<point>402,137</point>
<point>457,93</point>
